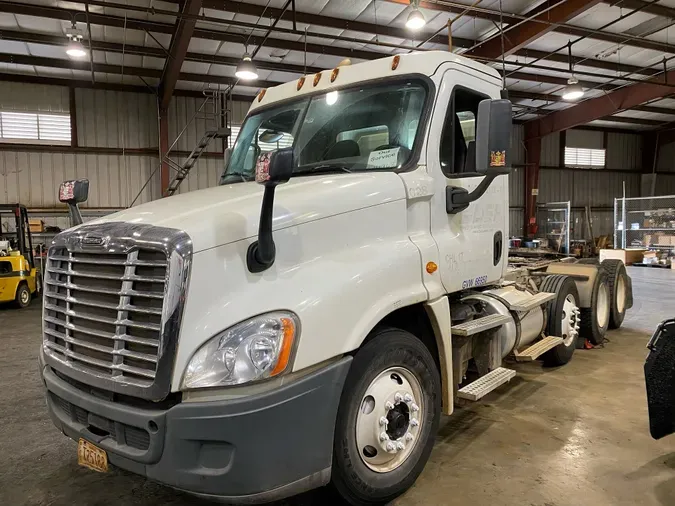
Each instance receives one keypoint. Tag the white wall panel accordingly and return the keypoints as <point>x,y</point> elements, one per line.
<point>114,119</point>
<point>205,174</point>
<point>33,178</point>
<point>33,97</point>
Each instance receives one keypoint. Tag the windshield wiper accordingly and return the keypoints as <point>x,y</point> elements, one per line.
<point>244,177</point>
<point>328,167</point>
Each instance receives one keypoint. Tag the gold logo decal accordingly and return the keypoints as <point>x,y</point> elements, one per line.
<point>497,158</point>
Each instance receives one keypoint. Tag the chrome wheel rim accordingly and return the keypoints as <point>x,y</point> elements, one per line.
<point>389,419</point>
<point>570,320</point>
<point>602,306</point>
<point>621,294</point>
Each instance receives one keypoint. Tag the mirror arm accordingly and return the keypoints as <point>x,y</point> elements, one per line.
<point>457,199</point>
<point>261,254</point>
<point>74,214</point>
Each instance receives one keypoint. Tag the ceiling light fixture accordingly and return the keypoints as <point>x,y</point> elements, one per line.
<point>246,70</point>
<point>75,48</point>
<point>573,90</point>
<point>415,18</point>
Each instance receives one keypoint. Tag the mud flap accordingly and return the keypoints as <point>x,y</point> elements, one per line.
<point>660,380</point>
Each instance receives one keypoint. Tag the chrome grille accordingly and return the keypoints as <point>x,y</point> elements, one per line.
<point>113,301</point>
<point>104,311</point>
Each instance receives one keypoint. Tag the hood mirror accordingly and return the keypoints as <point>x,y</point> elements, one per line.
<point>271,169</point>
<point>74,192</point>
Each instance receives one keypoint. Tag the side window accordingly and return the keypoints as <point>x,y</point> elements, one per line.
<point>458,140</point>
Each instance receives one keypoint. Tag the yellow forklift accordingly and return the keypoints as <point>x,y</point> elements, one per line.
<point>19,278</point>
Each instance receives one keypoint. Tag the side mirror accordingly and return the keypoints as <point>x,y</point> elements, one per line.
<point>493,136</point>
<point>72,193</point>
<point>493,146</point>
<point>271,169</point>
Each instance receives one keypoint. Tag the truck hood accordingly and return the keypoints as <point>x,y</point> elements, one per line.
<point>225,214</point>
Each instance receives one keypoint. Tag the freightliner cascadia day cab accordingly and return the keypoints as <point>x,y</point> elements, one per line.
<point>307,322</point>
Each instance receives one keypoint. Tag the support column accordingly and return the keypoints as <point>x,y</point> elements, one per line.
<point>532,162</point>
<point>163,150</point>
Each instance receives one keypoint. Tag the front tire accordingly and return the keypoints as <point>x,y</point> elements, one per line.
<point>387,420</point>
<point>23,296</point>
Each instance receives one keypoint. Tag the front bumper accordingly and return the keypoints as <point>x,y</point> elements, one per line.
<point>254,449</point>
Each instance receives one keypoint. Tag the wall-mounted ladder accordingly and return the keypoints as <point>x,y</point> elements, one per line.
<point>217,117</point>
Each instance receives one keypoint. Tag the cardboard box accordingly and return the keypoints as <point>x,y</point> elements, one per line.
<point>627,256</point>
<point>36,226</point>
<point>662,240</point>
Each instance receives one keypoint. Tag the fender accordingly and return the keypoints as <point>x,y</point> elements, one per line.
<point>438,311</point>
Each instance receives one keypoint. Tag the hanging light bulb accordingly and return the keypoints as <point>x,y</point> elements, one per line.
<point>75,48</point>
<point>246,69</point>
<point>415,18</point>
<point>573,90</point>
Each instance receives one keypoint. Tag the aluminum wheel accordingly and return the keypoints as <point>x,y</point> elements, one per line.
<point>389,419</point>
<point>570,320</point>
<point>602,310</point>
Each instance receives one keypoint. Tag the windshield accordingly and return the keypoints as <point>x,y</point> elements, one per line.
<point>362,128</point>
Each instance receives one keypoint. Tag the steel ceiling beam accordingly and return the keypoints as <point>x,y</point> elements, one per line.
<point>126,70</point>
<point>87,84</point>
<point>327,21</point>
<point>518,35</point>
<point>177,51</point>
<point>577,31</point>
<point>610,103</point>
<point>648,7</point>
<point>115,21</point>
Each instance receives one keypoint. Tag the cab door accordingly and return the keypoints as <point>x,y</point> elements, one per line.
<point>472,242</point>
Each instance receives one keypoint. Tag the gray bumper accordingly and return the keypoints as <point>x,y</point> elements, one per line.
<point>254,449</point>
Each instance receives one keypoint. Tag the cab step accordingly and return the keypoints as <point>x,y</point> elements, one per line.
<point>478,325</point>
<point>486,384</point>
<point>537,349</point>
<point>536,300</point>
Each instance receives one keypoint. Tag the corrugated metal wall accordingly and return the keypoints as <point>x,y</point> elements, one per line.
<point>33,97</point>
<point>114,119</point>
<point>105,119</point>
<point>624,151</point>
<point>33,178</point>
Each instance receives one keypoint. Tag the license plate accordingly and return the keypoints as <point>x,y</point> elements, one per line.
<point>91,456</point>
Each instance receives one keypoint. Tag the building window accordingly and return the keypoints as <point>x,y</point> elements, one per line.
<point>584,158</point>
<point>38,128</point>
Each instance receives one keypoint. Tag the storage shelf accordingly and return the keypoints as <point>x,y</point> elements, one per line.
<point>666,229</point>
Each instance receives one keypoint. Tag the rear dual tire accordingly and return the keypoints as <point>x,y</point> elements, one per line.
<point>392,363</point>
<point>595,319</point>
<point>563,318</point>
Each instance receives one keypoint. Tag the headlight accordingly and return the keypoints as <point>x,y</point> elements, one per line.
<point>252,350</point>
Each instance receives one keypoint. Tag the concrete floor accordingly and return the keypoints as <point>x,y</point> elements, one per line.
<point>577,435</point>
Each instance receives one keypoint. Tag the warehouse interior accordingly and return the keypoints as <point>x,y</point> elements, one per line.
<point>145,99</point>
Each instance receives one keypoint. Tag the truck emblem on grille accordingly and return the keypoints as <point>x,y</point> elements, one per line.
<point>92,240</point>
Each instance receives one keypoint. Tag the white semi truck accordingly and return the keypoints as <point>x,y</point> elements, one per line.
<point>307,322</point>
